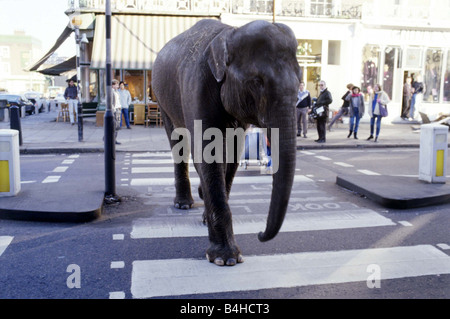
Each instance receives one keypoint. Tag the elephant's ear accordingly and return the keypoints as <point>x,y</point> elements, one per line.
<point>216,54</point>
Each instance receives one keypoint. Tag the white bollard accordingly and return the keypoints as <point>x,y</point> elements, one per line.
<point>433,153</point>
<point>9,163</point>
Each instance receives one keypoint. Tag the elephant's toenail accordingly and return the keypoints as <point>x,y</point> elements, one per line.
<point>219,261</point>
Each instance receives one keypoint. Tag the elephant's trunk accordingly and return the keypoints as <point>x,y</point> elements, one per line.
<point>283,178</point>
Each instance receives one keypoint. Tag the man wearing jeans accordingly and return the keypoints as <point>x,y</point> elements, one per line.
<point>71,95</point>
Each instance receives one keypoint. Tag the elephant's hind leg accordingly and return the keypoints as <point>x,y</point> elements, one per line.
<point>183,198</point>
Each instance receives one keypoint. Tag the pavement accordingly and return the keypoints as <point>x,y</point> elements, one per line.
<point>41,134</point>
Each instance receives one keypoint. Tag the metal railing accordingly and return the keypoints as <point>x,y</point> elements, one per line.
<point>291,8</point>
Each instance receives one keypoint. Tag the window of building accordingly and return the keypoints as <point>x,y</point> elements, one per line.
<point>391,58</point>
<point>447,80</point>
<point>321,7</point>
<point>432,76</point>
<point>135,81</point>
<point>309,57</point>
<point>93,86</point>
<point>4,52</point>
<point>334,52</point>
<point>370,66</point>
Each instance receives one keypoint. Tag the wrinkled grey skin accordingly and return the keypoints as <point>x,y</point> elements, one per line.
<point>228,78</point>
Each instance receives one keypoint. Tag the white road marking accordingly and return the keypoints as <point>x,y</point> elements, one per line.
<point>405,223</point>
<point>343,164</point>
<point>443,246</point>
<point>157,169</point>
<point>51,179</point>
<point>307,153</point>
<point>74,156</point>
<point>263,179</point>
<point>60,169</point>
<point>27,182</point>
<point>4,243</point>
<point>117,264</point>
<point>68,161</point>
<point>155,278</point>
<point>117,295</point>
<point>323,158</point>
<point>118,236</point>
<point>192,226</point>
<point>367,172</point>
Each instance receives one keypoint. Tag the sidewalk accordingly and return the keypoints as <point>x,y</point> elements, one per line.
<point>42,134</point>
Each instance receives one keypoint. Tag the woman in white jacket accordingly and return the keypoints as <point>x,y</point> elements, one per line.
<point>376,98</point>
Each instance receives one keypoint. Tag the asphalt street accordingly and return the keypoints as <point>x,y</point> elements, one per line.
<point>334,243</point>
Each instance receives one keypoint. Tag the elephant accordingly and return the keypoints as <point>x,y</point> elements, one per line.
<point>229,77</point>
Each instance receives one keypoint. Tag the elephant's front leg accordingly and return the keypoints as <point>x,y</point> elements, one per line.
<point>223,249</point>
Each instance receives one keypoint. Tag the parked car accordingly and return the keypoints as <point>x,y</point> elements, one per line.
<point>37,99</point>
<point>18,100</point>
<point>60,99</point>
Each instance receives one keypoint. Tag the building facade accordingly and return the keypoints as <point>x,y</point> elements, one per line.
<point>340,41</point>
<point>17,51</point>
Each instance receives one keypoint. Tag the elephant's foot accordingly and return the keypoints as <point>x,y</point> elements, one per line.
<point>222,256</point>
<point>183,203</point>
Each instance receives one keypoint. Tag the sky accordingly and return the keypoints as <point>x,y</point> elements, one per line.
<point>42,19</point>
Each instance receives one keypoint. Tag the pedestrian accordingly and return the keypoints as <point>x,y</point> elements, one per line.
<point>125,101</point>
<point>417,96</point>
<point>323,101</point>
<point>407,95</point>
<point>71,95</point>
<point>116,107</point>
<point>303,106</point>
<point>356,110</point>
<point>377,98</point>
<point>344,108</point>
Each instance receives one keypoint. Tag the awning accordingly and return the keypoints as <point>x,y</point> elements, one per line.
<point>64,35</point>
<point>68,65</point>
<point>135,39</point>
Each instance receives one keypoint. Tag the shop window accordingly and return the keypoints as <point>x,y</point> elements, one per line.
<point>370,65</point>
<point>390,56</point>
<point>432,76</point>
<point>447,80</point>
<point>135,81</point>
<point>93,86</point>
<point>309,57</point>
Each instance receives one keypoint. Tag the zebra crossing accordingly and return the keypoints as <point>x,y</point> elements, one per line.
<point>310,209</point>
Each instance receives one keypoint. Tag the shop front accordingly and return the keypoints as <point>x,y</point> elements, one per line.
<point>393,55</point>
<point>135,42</point>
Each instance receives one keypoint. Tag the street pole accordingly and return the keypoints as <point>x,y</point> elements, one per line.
<point>79,106</point>
<point>110,151</point>
<point>273,9</point>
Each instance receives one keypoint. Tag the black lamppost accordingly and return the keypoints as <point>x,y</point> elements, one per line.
<point>109,127</point>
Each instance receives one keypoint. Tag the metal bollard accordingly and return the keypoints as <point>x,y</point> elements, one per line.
<point>15,121</point>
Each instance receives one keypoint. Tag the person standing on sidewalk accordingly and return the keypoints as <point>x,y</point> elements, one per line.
<point>324,100</point>
<point>356,110</point>
<point>71,96</point>
<point>117,109</point>
<point>407,95</point>
<point>303,105</point>
<point>125,101</point>
<point>416,100</point>
<point>376,98</point>
<point>344,108</point>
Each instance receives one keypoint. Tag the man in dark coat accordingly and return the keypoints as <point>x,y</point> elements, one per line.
<point>324,100</point>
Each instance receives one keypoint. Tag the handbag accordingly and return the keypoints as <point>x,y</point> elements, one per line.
<point>383,110</point>
<point>318,112</point>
